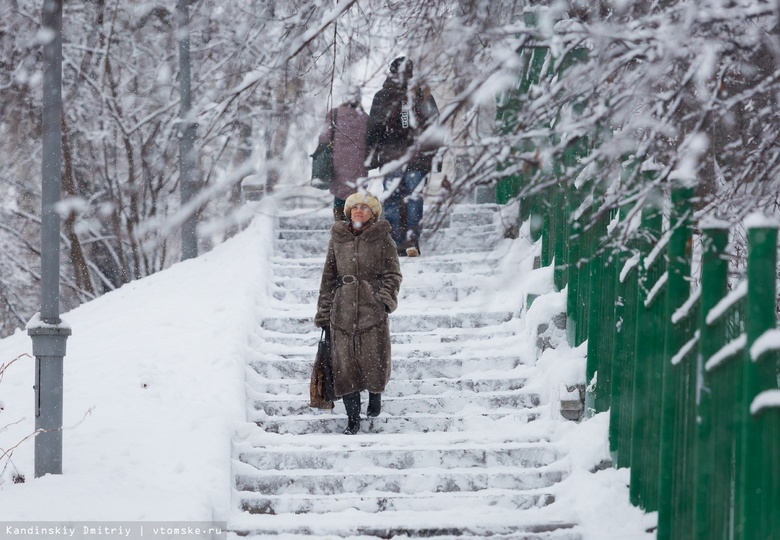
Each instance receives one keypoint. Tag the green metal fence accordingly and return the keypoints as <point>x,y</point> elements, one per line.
<point>688,374</point>
<point>685,363</point>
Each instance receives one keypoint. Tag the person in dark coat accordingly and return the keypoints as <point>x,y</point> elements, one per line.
<point>358,290</point>
<point>400,114</point>
<point>349,147</point>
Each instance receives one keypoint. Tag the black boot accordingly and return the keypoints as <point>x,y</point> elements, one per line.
<point>352,404</point>
<point>374,404</point>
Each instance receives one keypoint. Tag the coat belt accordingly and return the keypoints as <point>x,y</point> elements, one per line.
<point>349,279</point>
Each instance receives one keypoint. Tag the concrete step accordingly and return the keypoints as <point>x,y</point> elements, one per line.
<point>459,522</point>
<point>395,388</point>
<point>296,367</point>
<point>325,422</point>
<point>451,403</point>
<point>414,278</point>
<point>442,294</point>
<point>457,216</point>
<point>510,500</point>
<point>399,323</point>
<point>456,455</point>
<point>323,235</point>
<point>324,223</point>
<point>427,480</point>
<point>315,243</point>
<point>396,338</point>
<point>302,250</point>
<point>312,268</point>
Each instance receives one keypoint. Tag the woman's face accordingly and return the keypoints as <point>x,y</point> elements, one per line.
<point>361,213</point>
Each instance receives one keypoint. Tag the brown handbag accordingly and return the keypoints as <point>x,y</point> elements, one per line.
<point>321,394</point>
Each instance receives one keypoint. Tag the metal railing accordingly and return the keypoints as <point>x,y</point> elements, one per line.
<point>685,367</point>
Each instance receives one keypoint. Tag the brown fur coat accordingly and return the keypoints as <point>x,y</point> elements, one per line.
<point>357,311</point>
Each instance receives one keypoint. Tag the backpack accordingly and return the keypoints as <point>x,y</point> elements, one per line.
<point>398,127</point>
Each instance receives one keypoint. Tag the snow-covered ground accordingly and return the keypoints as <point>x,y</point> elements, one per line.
<point>155,392</point>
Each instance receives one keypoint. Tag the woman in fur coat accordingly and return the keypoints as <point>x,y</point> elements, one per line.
<point>359,289</point>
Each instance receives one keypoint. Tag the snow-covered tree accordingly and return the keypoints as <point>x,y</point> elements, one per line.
<point>687,89</point>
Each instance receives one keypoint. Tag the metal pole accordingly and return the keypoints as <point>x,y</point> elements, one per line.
<point>677,424</point>
<point>711,483</point>
<point>187,128</point>
<point>756,476</point>
<point>48,332</point>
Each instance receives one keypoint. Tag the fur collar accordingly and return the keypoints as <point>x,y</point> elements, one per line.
<point>341,233</point>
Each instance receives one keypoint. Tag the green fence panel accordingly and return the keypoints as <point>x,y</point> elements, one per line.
<point>758,478</point>
<point>560,240</point>
<point>715,397</point>
<point>623,355</point>
<point>508,111</point>
<point>676,481</point>
<point>582,266</point>
<point>607,322</point>
<point>648,368</point>
<point>576,251</point>
<point>547,233</point>
<point>601,321</point>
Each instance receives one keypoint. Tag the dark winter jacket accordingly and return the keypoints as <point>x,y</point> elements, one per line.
<point>357,309</point>
<point>349,148</point>
<point>394,126</point>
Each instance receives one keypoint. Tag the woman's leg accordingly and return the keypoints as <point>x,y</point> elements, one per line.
<point>374,404</point>
<point>391,208</point>
<point>352,404</point>
<point>413,180</point>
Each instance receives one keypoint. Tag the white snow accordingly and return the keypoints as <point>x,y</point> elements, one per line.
<point>768,341</point>
<point>757,220</point>
<point>726,302</point>
<point>155,393</point>
<point>710,222</point>
<point>765,400</point>
<point>685,349</point>
<point>727,351</point>
<point>658,249</point>
<point>683,311</point>
<point>630,263</point>
<point>656,289</point>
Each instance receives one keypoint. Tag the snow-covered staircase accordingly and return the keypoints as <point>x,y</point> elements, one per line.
<point>459,449</point>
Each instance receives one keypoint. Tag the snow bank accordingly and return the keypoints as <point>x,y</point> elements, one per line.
<point>153,390</point>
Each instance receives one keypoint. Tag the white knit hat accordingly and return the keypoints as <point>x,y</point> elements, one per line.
<point>363,198</point>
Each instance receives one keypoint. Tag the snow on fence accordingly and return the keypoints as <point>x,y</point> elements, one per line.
<point>689,378</point>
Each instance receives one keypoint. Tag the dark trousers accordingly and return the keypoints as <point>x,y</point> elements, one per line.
<point>404,207</point>
<point>352,404</point>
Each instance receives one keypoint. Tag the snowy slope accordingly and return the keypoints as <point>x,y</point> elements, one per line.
<point>154,385</point>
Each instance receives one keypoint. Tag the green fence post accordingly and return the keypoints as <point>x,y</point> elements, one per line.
<point>649,357</point>
<point>548,233</point>
<point>560,240</point>
<point>607,321</point>
<point>601,323</point>
<point>626,292</point>
<point>623,274</point>
<point>675,510</point>
<point>709,518</point>
<point>585,260</point>
<point>575,247</point>
<point>758,481</point>
<point>536,220</point>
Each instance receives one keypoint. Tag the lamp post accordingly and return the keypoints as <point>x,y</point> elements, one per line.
<point>47,330</point>
<point>187,128</point>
